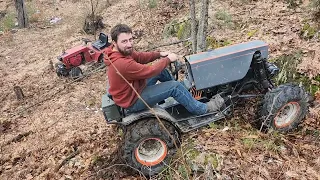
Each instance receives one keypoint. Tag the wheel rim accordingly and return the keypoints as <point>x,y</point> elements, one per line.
<point>287,114</point>
<point>151,151</point>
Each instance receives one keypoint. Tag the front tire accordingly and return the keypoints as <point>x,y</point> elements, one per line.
<point>284,107</point>
<point>76,72</point>
<point>148,147</point>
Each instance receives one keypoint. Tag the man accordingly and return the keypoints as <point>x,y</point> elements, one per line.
<point>143,77</point>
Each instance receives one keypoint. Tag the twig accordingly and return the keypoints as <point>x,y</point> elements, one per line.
<point>72,155</point>
<point>151,109</point>
<point>19,137</point>
<point>168,44</point>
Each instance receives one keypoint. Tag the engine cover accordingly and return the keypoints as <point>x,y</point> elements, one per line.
<point>223,65</point>
<point>75,60</point>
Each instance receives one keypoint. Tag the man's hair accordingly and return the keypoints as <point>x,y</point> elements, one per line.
<point>118,29</point>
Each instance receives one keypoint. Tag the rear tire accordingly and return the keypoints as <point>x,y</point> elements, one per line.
<point>284,107</point>
<point>75,73</point>
<point>148,147</point>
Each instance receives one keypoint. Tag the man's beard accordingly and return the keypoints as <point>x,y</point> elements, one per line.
<point>125,52</point>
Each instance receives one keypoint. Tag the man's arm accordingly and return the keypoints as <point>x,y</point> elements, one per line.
<point>137,71</point>
<point>146,57</point>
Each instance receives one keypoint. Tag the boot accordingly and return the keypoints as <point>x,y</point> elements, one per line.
<point>215,104</point>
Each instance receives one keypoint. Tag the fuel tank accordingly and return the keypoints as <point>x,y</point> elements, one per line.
<point>222,65</point>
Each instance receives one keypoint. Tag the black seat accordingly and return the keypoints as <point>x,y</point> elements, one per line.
<point>102,42</point>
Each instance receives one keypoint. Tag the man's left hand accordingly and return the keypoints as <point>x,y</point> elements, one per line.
<point>164,54</point>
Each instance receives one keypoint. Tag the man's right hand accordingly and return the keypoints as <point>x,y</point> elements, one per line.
<point>173,57</point>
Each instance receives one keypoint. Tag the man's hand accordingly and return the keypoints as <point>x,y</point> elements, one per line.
<point>164,54</point>
<point>173,57</point>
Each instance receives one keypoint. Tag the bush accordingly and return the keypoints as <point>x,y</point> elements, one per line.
<point>224,18</point>
<point>7,22</point>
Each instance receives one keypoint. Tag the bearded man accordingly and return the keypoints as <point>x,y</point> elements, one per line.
<point>134,67</point>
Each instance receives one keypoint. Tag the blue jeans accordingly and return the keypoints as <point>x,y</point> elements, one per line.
<point>168,87</point>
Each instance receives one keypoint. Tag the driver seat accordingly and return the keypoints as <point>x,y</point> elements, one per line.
<point>102,42</point>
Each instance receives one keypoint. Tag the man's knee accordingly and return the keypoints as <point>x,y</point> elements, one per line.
<point>175,84</point>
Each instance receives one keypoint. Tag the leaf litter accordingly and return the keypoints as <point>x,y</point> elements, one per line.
<point>42,137</point>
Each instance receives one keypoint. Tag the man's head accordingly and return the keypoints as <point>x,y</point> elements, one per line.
<point>122,39</point>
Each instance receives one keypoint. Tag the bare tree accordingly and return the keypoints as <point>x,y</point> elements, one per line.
<point>199,32</point>
<point>22,14</point>
<point>203,25</point>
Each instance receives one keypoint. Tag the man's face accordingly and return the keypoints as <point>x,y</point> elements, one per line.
<point>124,44</point>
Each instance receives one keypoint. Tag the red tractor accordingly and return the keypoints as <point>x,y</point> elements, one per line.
<point>72,58</point>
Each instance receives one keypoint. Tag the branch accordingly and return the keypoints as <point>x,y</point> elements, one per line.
<point>72,155</point>
<point>19,137</point>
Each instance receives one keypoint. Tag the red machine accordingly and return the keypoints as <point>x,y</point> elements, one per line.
<point>72,58</point>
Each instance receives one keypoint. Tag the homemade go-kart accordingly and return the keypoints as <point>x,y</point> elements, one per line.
<point>71,59</point>
<point>233,72</point>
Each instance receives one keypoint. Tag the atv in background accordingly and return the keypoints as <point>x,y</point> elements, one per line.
<point>72,58</point>
<point>235,72</point>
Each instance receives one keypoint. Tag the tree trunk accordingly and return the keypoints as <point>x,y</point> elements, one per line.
<point>203,25</point>
<point>193,25</point>
<point>22,14</point>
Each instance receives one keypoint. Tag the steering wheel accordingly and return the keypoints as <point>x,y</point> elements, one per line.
<point>86,40</point>
<point>174,68</point>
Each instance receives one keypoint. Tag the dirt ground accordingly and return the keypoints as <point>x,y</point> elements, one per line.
<point>58,119</point>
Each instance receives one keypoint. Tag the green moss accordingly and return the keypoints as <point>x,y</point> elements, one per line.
<point>193,153</point>
<point>252,33</point>
<point>183,172</point>
<point>270,145</point>
<point>7,22</point>
<point>293,3</point>
<point>309,31</point>
<point>213,125</point>
<point>184,30</point>
<point>249,143</point>
<point>224,18</point>
<point>212,159</point>
<point>213,43</point>
<point>170,29</point>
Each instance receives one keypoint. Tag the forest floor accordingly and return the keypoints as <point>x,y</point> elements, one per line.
<point>59,119</point>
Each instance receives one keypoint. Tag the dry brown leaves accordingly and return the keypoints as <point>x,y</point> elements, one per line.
<point>68,121</point>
